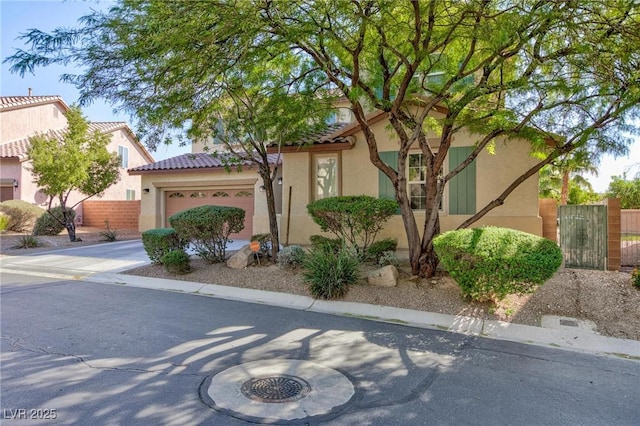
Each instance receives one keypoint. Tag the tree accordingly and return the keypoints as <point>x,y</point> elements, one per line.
<point>79,161</point>
<point>627,190</point>
<point>563,75</point>
<point>197,76</point>
<point>562,179</point>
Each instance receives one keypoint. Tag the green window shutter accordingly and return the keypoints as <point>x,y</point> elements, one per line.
<point>462,188</point>
<point>385,187</point>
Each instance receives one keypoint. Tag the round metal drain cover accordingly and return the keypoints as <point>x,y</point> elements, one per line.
<point>276,389</point>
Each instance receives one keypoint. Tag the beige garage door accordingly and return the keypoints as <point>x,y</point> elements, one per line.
<point>179,200</point>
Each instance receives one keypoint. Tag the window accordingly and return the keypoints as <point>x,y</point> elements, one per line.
<point>244,194</point>
<point>325,176</point>
<point>197,195</point>
<point>416,178</point>
<point>123,153</point>
<point>131,194</point>
<point>176,195</point>
<point>220,194</point>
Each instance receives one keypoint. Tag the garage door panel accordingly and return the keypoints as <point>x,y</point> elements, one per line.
<point>180,200</point>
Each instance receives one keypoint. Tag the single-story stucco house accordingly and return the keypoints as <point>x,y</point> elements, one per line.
<point>22,117</point>
<point>336,162</point>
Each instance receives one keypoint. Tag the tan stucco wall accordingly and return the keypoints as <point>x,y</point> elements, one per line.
<point>152,209</point>
<point>493,174</point>
<point>20,123</point>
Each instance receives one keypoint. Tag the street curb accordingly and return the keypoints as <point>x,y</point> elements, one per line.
<point>567,338</point>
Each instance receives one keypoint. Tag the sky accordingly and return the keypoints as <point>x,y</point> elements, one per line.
<point>17,16</point>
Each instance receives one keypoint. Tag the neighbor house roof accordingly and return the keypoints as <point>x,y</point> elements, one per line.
<point>17,102</point>
<point>197,161</point>
<point>18,148</point>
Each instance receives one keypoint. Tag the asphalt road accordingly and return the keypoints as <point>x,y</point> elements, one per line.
<point>98,354</point>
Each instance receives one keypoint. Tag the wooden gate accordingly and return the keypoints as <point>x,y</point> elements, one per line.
<point>583,236</point>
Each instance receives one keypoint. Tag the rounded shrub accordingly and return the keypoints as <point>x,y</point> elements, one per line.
<point>160,241</point>
<point>4,221</point>
<point>176,262</point>
<point>489,263</point>
<point>330,274</point>
<point>22,215</point>
<point>48,225</point>
<point>207,229</point>
<point>356,219</point>
<point>320,241</point>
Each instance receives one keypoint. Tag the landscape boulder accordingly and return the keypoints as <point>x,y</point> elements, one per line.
<point>241,259</point>
<point>386,276</point>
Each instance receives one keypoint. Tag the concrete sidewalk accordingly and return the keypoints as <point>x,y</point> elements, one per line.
<point>102,264</point>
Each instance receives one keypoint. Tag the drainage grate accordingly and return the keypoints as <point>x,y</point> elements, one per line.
<point>276,389</point>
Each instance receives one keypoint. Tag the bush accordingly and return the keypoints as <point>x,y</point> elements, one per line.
<point>356,219</point>
<point>635,278</point>
<point>389,258</point>
<point>207,228</point>
<point>330,274</point>
<point>108,234</point>
<point>160,241</point>
<point>22,215</point>
<point>489,263</point>
<point>291,257</point>
<point>176,262</point>
<point>377,249</point>
<point>4,221</point>
<point>320,241</point>
<point>48,225</point>
<point>27,241</point>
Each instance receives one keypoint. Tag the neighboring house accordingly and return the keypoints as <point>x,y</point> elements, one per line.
<point>24,116</point>
<point>191,180</point>
<point>336,162</point>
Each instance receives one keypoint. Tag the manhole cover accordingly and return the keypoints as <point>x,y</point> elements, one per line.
<point>276,389</point>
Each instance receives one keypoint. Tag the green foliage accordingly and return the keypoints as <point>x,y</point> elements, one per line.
<point>489,263</point>
<point>320,241</point>
<point>4,221</point>
<point>52,222</point>
<point>389,258</point>
<point>22,215</point>
<point>627,190</point>
<point>27,241</point>
<point>108,234</point>
<point>207,228</point>
<point>356,219</point>
<point>530,70</point>
<point>291,257</point>
<point>176,262</point>
<point>378,248</point>
<point>635,278</point>
<point>330,274</point>
<point>80,161</point>
<point>160,241</point>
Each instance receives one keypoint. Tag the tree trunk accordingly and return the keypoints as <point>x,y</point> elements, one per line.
<point>564,191</point>
<point>271,210</point>
<point>70,225</point>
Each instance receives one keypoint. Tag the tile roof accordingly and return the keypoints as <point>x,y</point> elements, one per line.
<point>200,160</point>
<point>16,102</point>
<point>18,148</point>
<point>320,136</point>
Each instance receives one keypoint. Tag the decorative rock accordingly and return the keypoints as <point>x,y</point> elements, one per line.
<point>241,259</point>
<point>386,276</point>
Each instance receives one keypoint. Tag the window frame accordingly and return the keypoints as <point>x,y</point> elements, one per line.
<point>123,153</point>
<point>314,174</point>
<point>410,182</point>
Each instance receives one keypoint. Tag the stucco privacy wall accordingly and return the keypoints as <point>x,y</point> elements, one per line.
<point>152,210</point>
<point>358,176</point>
<point>120,214</point>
